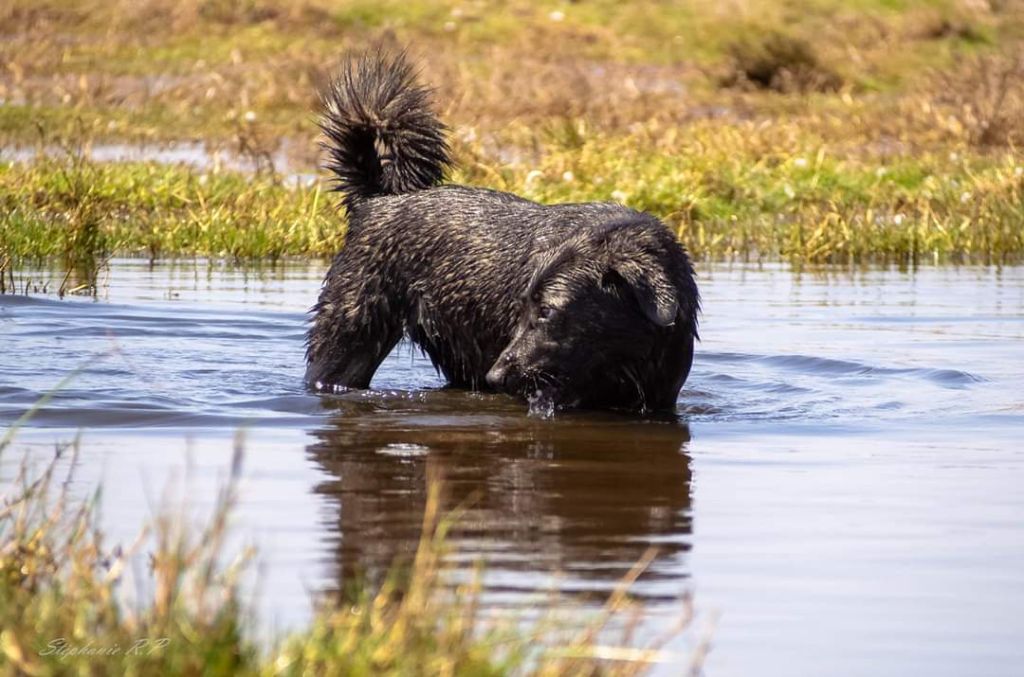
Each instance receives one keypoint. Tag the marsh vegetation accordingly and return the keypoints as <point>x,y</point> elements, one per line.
<point>814,132</point>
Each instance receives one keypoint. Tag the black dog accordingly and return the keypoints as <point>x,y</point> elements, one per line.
<point>580,305</point>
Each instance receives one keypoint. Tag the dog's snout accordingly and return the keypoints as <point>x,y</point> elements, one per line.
<point>502,375</point>
<point>496,375</point>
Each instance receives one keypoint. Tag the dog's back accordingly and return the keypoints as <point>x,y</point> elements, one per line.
<point>446,265</point>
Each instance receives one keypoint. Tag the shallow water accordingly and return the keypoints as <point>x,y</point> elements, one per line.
<point>843,486</point>
<point>197,155</point>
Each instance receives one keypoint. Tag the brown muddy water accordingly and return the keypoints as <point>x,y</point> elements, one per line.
<point>842,487</point>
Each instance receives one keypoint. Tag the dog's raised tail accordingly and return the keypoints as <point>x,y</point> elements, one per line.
<point>382,137</point>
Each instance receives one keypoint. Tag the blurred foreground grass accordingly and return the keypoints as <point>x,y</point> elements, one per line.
<point>814,130</point>
<point>66,605</point>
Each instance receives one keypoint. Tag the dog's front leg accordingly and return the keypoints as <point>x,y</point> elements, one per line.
<point>350,361</point>
<point>350,336</point>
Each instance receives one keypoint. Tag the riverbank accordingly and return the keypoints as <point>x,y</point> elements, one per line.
<point>724,201</point>
<point>812,133</point>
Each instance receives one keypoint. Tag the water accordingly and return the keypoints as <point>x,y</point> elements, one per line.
<point>196,155</point>
<point>843,487</point>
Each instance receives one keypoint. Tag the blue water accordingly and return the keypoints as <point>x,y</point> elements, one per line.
<point>841,488</point>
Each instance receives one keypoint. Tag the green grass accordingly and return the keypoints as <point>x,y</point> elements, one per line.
<point>728,195</point>
<point>58,207</point>
<point>63,589</point>
<point>727,191</point>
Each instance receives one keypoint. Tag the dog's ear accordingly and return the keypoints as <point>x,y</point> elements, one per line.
<point>628,252</point>
<point>652,291</point>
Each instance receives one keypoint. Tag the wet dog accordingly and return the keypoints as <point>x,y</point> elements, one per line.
<point>569,305</point>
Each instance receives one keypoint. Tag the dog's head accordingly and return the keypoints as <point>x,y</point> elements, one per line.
<point>596,312</point>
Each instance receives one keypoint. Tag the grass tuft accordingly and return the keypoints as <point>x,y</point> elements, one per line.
<point>780,62</point>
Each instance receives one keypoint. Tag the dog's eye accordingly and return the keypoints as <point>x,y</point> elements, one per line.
<point>544,312</point>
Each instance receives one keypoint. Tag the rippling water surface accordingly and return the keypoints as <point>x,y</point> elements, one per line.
<point>843,486</point>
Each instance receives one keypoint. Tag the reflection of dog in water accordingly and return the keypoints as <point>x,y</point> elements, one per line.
<point>579,305</point>
<point>578,496</point>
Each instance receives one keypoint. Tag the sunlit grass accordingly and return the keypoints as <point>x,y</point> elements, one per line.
<point>728,191</point>
<point>55,207</point>
<point>739,191</point>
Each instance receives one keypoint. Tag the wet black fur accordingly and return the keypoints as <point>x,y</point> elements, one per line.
<point>585,305</point>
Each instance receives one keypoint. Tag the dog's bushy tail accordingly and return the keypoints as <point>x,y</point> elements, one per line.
<point>382,136</point>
